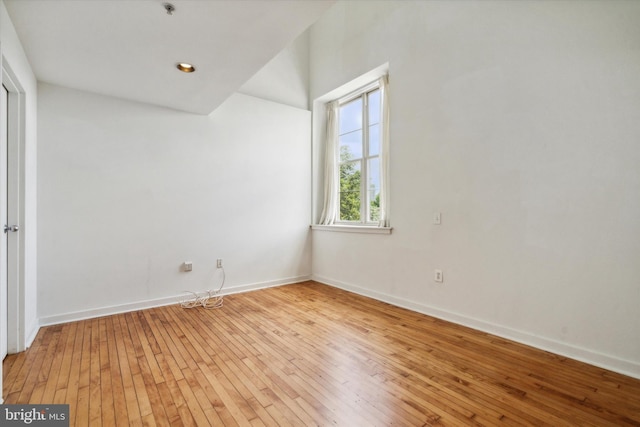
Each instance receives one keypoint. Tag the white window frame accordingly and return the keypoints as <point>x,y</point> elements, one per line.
<point>365,202</point>
<point>319,122</point>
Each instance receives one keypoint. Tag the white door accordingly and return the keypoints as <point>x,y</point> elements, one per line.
<point>3,220</point>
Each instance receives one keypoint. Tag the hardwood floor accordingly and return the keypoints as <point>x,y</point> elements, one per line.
<point>307,354</point>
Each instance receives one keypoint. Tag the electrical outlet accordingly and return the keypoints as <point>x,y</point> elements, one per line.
<point>437,275</point>
<point>187,266</point>
<point>219,263</point>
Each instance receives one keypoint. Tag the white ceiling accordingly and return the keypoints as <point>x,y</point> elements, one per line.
<point>129,48</point>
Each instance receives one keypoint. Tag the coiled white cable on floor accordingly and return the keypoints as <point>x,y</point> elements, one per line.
<point>207,299</point>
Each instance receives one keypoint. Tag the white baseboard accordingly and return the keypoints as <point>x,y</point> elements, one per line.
<point>157,302</point>
<point>31,334</point>
<point>591,357</point>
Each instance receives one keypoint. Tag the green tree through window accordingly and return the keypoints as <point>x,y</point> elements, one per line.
<point>349,187</point>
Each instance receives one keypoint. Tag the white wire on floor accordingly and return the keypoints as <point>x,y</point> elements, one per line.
<point>207,299</point>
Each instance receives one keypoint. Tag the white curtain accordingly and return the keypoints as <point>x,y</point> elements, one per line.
<point>331,165</point>
<point>384,153</point>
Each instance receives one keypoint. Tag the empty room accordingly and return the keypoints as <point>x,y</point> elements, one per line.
<point>320,212</point>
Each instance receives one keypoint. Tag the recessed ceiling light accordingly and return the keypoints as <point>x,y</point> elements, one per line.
<point>185,67</point>
<point>169,8</point>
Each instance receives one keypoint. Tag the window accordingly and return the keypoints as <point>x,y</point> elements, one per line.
<point>356,170</point>
<point>359,156</point>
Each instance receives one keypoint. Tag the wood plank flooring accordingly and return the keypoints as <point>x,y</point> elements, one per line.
<point>307,354</point>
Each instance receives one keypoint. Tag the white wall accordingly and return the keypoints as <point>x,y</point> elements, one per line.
<point>15,61</point>
<point>127,192</point>
<point>285,79</point>
<point>520,122</point>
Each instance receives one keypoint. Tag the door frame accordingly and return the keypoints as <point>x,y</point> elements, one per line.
<point>4,238</point>
<point>16,304</point>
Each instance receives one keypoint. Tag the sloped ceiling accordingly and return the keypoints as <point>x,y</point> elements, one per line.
<point>129,48</point>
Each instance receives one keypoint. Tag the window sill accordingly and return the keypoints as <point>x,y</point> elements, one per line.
<point>367,229</point>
